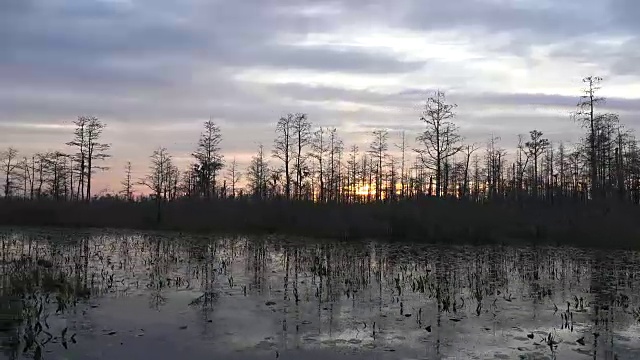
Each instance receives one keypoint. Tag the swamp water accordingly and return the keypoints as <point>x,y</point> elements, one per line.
<point>129,295</point>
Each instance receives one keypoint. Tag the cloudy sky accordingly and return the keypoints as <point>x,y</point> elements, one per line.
<point>154,70</point>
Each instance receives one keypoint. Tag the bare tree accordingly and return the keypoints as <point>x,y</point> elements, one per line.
<point>335,155</point>
<point>440,139</point>
<point>521,164</point>
<point>468,151</point>
<point>127,185</point>
<point>301,128</point>
<point>95,151</point>
<point>536,146</point>
<point>157,178</point>
<point>587,116</point>
<point>283,147</point>
<point>80,143</point>
<point>403,161</point>
<point>352,165</point>
<point>9,164</point>
<point>86,140</point>
<point>320,148</point>
<point>234,176</point>
<point>209,158</point>
<point>378,150</point>
<point>257,174</point>
<point>494,158</point>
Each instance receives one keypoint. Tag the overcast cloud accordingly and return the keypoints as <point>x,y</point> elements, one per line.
<point>154,70</point>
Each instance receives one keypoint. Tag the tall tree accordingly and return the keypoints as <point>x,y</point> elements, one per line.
<point>80,143</point>
<point>209,158</point>
<point>494,158</point>
<point>590,119</point>
<point>319,149</point>
<point>403,149</point>
<point>301,127</point>
<point>335,154</point>
<point>127,185</point>
<point>257,174</point>
<point>89,150</point>
<point>440,139</point>
<point>95,151</point>
<point>283,147</point>
<point>157,178</point>
<point>468,151</point>
<point>536,146</point>
<point>234,176</point>
<point>9,164</point>
<point>378,150</point>
<point>352,165</point>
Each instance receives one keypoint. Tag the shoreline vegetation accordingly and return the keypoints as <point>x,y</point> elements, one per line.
<point>427,220</point>
<point>431,186</point>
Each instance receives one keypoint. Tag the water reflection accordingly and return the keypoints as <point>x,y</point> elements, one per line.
<point>77,292</point>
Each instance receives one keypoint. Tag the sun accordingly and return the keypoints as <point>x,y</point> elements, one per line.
<point>362,190</point>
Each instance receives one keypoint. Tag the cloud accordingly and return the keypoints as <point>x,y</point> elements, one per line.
<point>154,70</point>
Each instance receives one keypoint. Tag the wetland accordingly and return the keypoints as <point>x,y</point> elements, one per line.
<point>103,294</point>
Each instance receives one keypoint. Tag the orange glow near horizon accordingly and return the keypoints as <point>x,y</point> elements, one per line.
<point>363,190</point>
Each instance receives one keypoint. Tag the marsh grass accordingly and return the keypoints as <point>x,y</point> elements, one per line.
<point>429,220</point>
<point>33,288</point>
<point>436,289</point>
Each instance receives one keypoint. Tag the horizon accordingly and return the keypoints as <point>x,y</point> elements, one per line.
<point>155,71</point>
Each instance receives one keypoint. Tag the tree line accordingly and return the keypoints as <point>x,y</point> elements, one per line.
<point>308,163</point>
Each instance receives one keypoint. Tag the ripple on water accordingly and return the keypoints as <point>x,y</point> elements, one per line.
<point>265,295</point>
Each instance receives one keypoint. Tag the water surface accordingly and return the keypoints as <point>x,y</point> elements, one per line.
<point>132,295</point>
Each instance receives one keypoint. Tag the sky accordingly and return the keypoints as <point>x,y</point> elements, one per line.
<point>155,70</point>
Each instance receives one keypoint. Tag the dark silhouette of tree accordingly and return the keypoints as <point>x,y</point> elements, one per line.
<point>89,150</point>
<point>208,158</point>
<point>301,128</point>
<point>468,151</point>
<point>158,177</point>
<point>283,148</point>
<point>494,159</point>
<point>587,115</point>
<point>536,146</point>
<point>258,173</point>
<point>127,185</point>
<point>403,163</point>
<point>440,140</point>
<point>378,150</point>
<point>95,151</point>
<point>55,170</point>
<point>80,143</point>
<point>319,149</point>
<point>234,176</point>
<point>335,155</point>
<point>352,166</point>
<point>9,165</point>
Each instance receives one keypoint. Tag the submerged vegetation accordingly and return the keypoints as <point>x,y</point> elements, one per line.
<point>437,188</point>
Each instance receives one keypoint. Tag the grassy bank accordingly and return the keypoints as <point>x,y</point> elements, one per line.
<point>428,220</point>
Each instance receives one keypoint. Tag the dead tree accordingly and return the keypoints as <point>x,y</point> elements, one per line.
<point>301,127</point>
<point>536,146</point>
<point>378,150</point>
<point>440,139</point>
<point>319,149</point>
<point>587,115</point>
<point>157,178</point>
<point>234,176</point>
<point>209,158</point>
<point>126,183</point>
<point>95,151</point>
<point>9,164</point>
<point>282,148</point>
<point>468,151</point>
